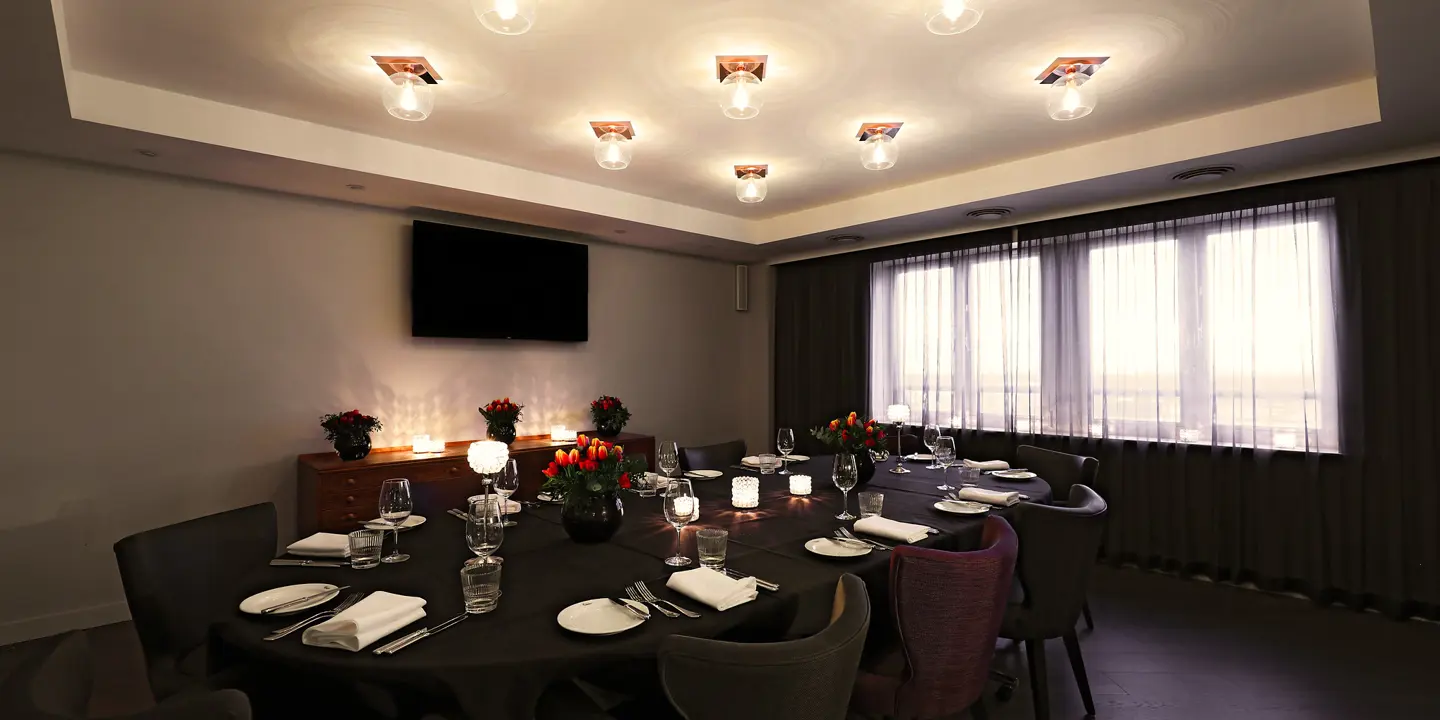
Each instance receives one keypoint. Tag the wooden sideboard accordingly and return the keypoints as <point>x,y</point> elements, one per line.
<point>337,495</point>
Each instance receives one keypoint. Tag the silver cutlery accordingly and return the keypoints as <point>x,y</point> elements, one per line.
<point>649,596</point>
<point>629,609</point>
<point>286,562</point>
<point>300,601</point>
<point>839,539</point>
<point>845,532</point>
<point>387,647</point>
<point>349,600</point>
<point>762,584</point>
<point>457,513</point>
<point>637,597</point>
<point>992,472</point>
<point>428,632</point>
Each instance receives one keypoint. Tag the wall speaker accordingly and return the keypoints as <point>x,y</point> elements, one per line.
<point>742,288</point>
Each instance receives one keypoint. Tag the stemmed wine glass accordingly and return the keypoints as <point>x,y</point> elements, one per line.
<point>395,507</point>
<point>680,509</point>
<point>785,443</point>
<point>667,458</point>
<point>945,456</point>
<point>932,433</point>
<point>507,481</point>
<point>846,474</point>
<point>485,526</point>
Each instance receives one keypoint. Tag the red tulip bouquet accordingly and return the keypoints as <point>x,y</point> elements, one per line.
<point>500,418</point>
<point>609,415</point>
<point>350,432</point>
<point>593,465</point>
<point>851,435</point>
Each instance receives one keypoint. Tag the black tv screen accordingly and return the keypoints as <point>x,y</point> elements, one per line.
<point>469,283</point>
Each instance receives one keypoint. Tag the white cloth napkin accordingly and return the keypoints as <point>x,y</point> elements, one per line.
<point>378,615</point>
<point>987,464</point>
<point>991,497</point>
<point>321,545</point>
<point>713,588</point>
<point>510,505</point>
<point>891,529</point>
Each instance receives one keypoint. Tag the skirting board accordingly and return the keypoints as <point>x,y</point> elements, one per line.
<point>40,626</point>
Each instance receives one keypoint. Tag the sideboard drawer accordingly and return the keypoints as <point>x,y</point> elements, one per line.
<point>344,520</point>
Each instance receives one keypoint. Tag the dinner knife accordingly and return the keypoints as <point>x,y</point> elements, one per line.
<point>307,598</point>
<point>285,562</point>
<point>630,609</point>
<point>427,632</point>
<point>762,584</point>
<point>387,647</point>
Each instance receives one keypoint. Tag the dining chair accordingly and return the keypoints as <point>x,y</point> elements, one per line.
<point>806,679</point>
<point>1057,550</point>
<point>1062,471</point>
<point>712,457</point>
<point>947,608</point>
<point>53,682</point>
<point>180,578</point>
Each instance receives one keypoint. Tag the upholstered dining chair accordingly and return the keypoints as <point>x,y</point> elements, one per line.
<point>1062,471</point>
<point>712,457</point>
<point>806,679</point>
<point>180,578</point>
<point>53,681</point>
<point>947,608</point>
<point>1057,550</point>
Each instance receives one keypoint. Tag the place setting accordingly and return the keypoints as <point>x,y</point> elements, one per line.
<point>849,543</point>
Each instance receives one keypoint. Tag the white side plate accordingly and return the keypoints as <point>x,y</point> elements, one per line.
<point>600,617</point>
<point>270,598</point>
<point>705,473</point>
<point>962,507</point>
<point>830,548</point>
<point>1013,474</point>
<point>413,521</point>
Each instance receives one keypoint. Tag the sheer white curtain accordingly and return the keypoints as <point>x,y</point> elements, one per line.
<point>1217,329</point>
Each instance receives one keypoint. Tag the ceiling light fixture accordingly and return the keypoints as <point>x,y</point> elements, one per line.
<point>506,17</point>
<point>1072,96</point>
<point>952,17</point>
<point>409,95</point>
<point>1208,173</point>
<point>740,77</point>
<point>881,148</point>
<point>612,144</point>
<point>750,184</point>
<point>990,213</point>
<point>845,239</point>
<point>148,153</point>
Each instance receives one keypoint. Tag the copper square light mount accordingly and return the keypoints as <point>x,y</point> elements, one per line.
<point>869,130</point>
<point>622,127</point>
<point>391,64</point>
<point>726,64</point>
<point>743,170</point>
<point>1057,69</point>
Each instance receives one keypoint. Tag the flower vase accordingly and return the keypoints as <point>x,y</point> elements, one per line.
<point>608,429</point>
<point>500,433</point>
<point>590,516</point>
<point>352,447</point>
<point>865,466</point>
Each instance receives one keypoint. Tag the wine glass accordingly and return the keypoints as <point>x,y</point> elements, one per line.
<point>667,458</point>
<point>945,456</point>
<point>785,443</point>
<point>485,526</point>
<point>507,481</point>
<point>395,506</point>
<point>932,433</point>
<point>680,509</point>
<point>846,474</point>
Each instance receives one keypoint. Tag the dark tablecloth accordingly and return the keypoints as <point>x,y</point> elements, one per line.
<point>496,665</point>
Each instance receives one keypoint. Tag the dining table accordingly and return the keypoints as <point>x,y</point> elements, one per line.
<point>497,664</point>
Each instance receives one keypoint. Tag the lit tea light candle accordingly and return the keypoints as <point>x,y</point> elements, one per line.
<point>799,484</point>
<point>685,506</point>
<point>420,444</point>
<point>561,434</point>
<point>745,492</point>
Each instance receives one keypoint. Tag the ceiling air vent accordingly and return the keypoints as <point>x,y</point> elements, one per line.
<point>1203,174</point>
<point>845,239</point>
<point>990,213</point>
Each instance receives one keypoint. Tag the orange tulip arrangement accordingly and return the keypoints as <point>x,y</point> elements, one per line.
<point>593,464</point>
<point>851,434</point>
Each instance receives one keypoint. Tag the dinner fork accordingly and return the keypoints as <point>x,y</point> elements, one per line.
<point>845,533</point>
<point>635,595</point>
<point>349,600</point>
<point>645,593</point>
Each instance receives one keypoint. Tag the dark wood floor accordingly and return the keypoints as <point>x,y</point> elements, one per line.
<point>1163,649</point>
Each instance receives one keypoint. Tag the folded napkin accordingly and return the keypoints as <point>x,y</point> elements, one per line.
<point>713,588</point>
<point>321,545</point>
<point>991,497</point>
<point>378,615</point>
<point>987,464</point>
<point>891,529</point>
<point>510,505</point>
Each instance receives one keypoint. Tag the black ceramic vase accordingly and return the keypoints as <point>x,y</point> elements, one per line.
<point>608,429</point>
<point>352,447</point>
<point>501,433</point>
<point>865,464</point>
<point>591,517</point>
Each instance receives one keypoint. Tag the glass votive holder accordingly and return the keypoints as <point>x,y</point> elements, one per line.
<point>871,503</point>
<point>800,485</point>
<point>768,463</point>
<point>745,492</point>
<point>365,548</point>
<point>480,583</point>
<point>710,544</point>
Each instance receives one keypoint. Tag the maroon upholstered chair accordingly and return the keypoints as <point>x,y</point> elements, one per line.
<point>948,607</point>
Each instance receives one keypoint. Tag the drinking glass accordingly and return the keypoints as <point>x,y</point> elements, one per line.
<point>710,543</point>
<point>680,509</point>
<point>768,463</point>
<point>485,526</point>
<point>507,481</point>
<point>395,506</point>
<point>785,443</point>
<point>365,548</point>
<point>480,582</point>
<point>667,458</point>
<point>871,503</point>
<point>945,456</point>
<point>846,474</point>
<point>932,433</point>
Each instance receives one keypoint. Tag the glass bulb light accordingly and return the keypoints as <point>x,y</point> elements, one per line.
<point>750,188</point>
<point>506,17</point>
<point>408,97</point>
<point>879,152</point>
<point>740,95</point>
<point>612,151</point>
<point>1072,97</point>
<point>952,17</point>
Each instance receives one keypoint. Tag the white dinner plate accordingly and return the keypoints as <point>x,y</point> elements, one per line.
<point>750,460</point>
<point>962,507</point>
<point>921,457</point>
<point>410,522</point>
<point>830,548</point>
<point>704,473</point>
<point>1013,474</point>
<point>270,598</point>
<point>600,617</point>
<point>799,458</point>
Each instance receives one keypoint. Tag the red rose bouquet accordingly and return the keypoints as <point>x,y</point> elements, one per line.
<point>500,418</point>
<point>348,425</point>
<point>852,435</point>
<point>609,415</point>
<point>593,465</point>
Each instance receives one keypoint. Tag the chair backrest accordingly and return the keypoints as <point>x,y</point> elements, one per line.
<point>948,607</point>
<point>712,457</point>
<point>1061,470</point>
<point>180,578</point>
<point>807,679</point>
<point>1058,544</point>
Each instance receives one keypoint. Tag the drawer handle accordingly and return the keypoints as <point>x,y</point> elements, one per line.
<point>455,470</point>
<point>349,481</point>
<point>349,499</point>
<point>349,516</point>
